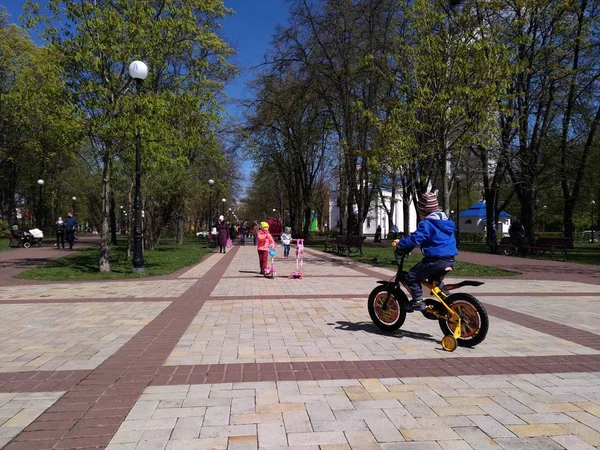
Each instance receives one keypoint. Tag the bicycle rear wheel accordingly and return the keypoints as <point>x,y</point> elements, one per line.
<point>474,321</point>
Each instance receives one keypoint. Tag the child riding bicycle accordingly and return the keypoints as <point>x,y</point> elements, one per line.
<point>435,237</point>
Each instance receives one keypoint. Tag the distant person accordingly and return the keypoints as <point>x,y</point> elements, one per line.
<point>265,241</point>
<point>517,232</point>
<point>243,233</point>
<point>254,231</point>
<point>516,229</point>
<point>60,228</point>
<point>223,230</point>
<point>71,225</point>
<point>378,234</point>
<point>15,231</point>
<point>286,240</point>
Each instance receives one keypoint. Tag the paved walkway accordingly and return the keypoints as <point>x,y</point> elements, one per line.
<point>537,269</point>
<point>216,356</point>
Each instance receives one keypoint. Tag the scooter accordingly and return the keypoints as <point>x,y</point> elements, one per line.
<point>299,259</point>
<point>270,271</point>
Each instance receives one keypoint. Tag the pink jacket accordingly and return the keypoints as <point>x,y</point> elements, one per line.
<point>264,240</point>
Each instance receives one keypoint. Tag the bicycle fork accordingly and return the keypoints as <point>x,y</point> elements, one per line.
<point>451,317</point>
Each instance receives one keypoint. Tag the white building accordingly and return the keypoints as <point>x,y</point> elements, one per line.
<point>376,217</point>
<point>473,220</point>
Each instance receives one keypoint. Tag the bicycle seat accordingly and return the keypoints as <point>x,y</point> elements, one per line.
<point>439,276</point>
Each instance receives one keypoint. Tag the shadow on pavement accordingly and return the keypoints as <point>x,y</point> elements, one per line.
<point>371,328</point>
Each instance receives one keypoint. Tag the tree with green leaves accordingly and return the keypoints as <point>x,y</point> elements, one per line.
<point>98,40</point>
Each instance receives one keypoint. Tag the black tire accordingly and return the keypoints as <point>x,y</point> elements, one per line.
<point>475,326</point>
<point>395,322</point>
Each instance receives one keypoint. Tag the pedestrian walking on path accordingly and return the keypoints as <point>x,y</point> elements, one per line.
<point>60,232</point>
<point>223,230</point>
<point>71,225</point>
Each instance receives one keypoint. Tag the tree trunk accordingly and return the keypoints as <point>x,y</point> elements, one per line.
<point>307,217</point>
<point>528,214</point>
<point>180,226</point>
<point>113,220</point>
<point>569,207</point>
<point>104,232</point>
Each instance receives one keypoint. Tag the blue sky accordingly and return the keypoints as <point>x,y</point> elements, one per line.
<point>249,31</point>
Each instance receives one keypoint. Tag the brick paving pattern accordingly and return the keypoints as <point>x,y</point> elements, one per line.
<point>474,411</point>
<point>335,330</point>
<point>68,337</point>
<point>118,289</point>
<point>17,411</point>
<point>215,356</point>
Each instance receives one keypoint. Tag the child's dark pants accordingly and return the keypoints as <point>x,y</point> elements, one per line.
<point>426,268</point>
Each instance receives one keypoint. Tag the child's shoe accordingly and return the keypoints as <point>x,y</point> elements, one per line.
<point>416,304</point>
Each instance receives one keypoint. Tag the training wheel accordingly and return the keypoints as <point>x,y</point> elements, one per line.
<point>449,343</point>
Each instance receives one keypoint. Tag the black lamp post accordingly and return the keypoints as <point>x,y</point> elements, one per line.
<point>121,218</point>
<point>223,200</point>
<point>138,71</point>
<point>40,213</point>
<point>593,204</point>
<point>545,217</point>
<point>73,199</point>
<point>210,218</point>
<point>458,210</point>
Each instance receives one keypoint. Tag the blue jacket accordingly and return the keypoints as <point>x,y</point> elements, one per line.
<point>71,223</point>
<point>435,236</point>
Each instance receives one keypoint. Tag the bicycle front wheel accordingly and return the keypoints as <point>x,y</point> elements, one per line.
<point>386,311</point>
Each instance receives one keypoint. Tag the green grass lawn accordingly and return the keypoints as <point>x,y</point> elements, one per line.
<point>4,244</point>
<point>582,253</point>
<point>84,265</point>
<point>383,256</point>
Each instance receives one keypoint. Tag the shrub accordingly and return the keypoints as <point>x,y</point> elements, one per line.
<point>4,228</point>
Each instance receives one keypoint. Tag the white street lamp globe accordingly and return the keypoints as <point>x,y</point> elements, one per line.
<point>41,182</point>
<point>593,202</point>
<point>121,206</point>
<point>211,181</point>
<point>274,210</point>
<point>223,200</point>
<point>74,198</point>
<point>138,70</point>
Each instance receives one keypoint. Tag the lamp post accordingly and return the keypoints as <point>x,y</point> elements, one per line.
<point>593,202</point>
<point>40,213</point>
<point>223,200</point>
<point>121,218</point>
<point>545,219</point>
<point>138,71</point>
<point>210,185</point>
<point>457,210</point>
<point>73,199</point>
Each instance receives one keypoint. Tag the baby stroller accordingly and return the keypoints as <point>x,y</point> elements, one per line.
<point>32,237</point>
<point>270,271</point>
<point>26,239</point>
<point>299,259</point>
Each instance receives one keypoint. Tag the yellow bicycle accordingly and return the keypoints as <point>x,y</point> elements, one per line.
<point>462,318</point>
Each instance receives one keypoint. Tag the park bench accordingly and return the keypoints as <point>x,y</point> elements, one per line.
<point>551,244</point>
<point>330,243</point>
<point>347,245</point>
